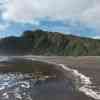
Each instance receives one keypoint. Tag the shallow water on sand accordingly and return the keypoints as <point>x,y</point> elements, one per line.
<point>18,86</point>
<point>49,86</point>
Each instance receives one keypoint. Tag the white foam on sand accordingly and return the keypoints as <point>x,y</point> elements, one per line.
<point>85,82</point>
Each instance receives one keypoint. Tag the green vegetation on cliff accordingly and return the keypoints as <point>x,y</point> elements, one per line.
<point>40,42</point>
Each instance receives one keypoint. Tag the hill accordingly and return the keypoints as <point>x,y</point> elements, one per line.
<point>40,42</point>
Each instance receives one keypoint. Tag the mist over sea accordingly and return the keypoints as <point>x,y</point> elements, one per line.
<point>34,78</point>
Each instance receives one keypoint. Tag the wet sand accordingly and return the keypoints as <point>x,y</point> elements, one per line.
<point>74,62</point>
<point>50,93</point>
<point>87,65</point>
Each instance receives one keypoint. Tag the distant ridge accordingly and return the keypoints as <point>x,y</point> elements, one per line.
<point>40,42</point>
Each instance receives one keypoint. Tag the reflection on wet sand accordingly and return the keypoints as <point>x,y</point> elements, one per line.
<point>22,79</point>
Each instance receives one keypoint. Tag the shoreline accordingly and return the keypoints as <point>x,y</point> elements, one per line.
<point>42,62</point>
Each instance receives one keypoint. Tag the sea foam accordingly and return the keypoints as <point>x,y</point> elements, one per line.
<point>83,83</point>
<point>86,83</point>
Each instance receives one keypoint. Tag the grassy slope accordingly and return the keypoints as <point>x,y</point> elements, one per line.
<point>50,43</point>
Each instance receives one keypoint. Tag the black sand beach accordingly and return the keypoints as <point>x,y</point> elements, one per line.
<point>47,80</point>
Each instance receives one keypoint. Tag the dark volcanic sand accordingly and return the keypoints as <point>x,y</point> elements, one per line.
<point>58,88</point>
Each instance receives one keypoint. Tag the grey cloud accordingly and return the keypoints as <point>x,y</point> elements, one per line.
<point>27,10</point>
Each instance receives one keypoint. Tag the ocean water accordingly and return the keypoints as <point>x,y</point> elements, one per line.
<point>77,85</point>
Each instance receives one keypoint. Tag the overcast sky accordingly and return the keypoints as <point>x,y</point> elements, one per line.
<point>78,17</point>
